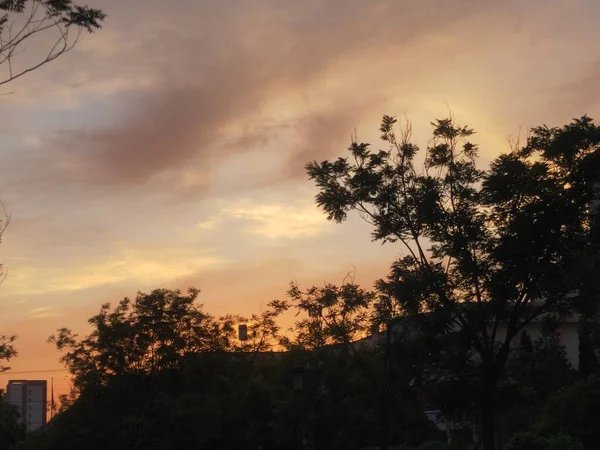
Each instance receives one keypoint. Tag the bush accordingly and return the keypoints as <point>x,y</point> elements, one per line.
<point>392,447</point>
<point>574,411</point>
<point>564,442</point>
<point>527,441</point>
<point>435,445</point>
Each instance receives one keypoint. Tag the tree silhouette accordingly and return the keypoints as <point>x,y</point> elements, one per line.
<point>484,250</point>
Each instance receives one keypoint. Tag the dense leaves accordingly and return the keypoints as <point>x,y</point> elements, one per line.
<point>332,315</point>
<point>11,431</point>
<point>161,373</point>
<point>573,411</point>
<point>359,388</point>
<point>154,333</point>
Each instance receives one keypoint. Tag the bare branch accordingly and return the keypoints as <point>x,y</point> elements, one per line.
<point>41,17</point>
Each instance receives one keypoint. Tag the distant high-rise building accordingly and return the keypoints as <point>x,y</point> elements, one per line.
<point>29,397</point>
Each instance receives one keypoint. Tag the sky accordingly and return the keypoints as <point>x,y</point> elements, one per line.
<point>168,149</point>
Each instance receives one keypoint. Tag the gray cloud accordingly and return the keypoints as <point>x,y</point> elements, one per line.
<point>207,67</point>
<point>580,96</point>
<point>222,74</point>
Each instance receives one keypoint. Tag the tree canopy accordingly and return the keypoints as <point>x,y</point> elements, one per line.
<point>484,249</point>
<point>159,372</point>
<point>153,333</point>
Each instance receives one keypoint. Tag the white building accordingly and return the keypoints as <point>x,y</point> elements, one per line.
<point>30,399</point>
<point>567,331</point>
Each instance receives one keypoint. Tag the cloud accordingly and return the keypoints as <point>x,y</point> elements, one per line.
<point>580,96</point>
<point>43,312</point>
<point>138,266</point>
<point>276,221</point>
<point>192,87</point>
<point>208,224</point>
<point>243,287</point>
<point>323,135</point>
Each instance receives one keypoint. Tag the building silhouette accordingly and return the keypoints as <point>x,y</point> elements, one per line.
<point>30,399</point>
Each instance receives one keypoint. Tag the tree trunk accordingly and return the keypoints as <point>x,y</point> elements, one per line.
<point>492,369</point>
<point>384,424</point>
<point>488,416</point>
<point>588,361</point>
<point>488,403</point>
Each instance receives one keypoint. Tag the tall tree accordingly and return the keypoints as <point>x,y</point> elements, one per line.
<point>482,247</point>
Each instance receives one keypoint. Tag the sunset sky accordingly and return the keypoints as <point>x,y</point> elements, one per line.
<point>168,149</point>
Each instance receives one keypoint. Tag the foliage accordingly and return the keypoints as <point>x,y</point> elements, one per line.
<point>534,371</point>
<point>216,400</point>
<point>230,400</point>
<point>533,441</point>
<point>332,315</point>
<point>563,442</point>
<point>574,411</point>
<point>22,20</point>
<point>587,268</point>
<point>262,329</point>
<point>347,397</point>
<point>7,350</point>
<point>11,431</point>
<point>357,391</point>
<point>393,447</point>
<point>154,333</point>
<point>213,392</point>
<point>435,445</point>
<point>527,441</point>
<point>480,246</point>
